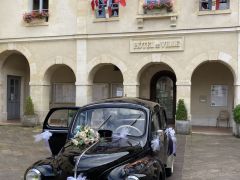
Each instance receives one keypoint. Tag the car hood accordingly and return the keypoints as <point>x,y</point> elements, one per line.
<point>109,152</point>
<point>105,154</point>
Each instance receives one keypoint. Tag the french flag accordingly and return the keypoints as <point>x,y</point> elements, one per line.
<point>94,3</point>
<point>122,2</point>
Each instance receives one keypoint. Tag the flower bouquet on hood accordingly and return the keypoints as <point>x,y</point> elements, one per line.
<point>85,136</point>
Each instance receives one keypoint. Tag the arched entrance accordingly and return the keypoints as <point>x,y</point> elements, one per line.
<point>61,81</point>
<point>107,82</point>
<point>212,91</point>
<point>158,83</point>
<point>15,77</point>
<point>163,91</point>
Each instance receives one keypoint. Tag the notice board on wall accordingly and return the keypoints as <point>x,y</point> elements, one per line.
<point>219,95</point>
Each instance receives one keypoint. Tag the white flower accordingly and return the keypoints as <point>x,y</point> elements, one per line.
<point>86,136</point>
<point>75,142</point>
<point>82,134</point>
<point>92,131</point>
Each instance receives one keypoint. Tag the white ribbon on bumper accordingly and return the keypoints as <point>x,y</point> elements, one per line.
<point>80,177</point>
<point>43,136</point>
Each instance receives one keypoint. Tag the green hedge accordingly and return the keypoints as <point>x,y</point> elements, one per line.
<point>236,113</point>
<point>181,113</point>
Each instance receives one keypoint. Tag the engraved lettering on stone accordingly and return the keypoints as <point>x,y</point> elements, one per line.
<point>171,44</point>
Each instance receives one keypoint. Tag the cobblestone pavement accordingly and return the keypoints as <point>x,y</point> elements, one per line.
<point>211,157</point>
<point>18,151</point>
<point>199,157</point>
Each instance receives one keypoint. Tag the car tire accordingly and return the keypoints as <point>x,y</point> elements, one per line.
<point>169,171</point>
<point>162,174</point>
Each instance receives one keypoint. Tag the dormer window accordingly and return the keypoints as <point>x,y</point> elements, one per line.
<point>212,5</point>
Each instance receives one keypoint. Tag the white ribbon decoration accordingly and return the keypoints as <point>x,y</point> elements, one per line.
<point>170,132</point>
<point>80,177</point>
<point>155,144</point>
<point>44,136</point>
<point>122,134</point>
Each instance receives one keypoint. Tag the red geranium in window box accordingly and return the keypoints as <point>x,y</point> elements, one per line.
<point>168,4</point>
<point>29,17</point>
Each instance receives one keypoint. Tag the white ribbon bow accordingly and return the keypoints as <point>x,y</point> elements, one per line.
<point>80,177</point>
<point>43,136</point>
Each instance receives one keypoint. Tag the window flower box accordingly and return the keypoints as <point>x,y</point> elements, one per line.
<point>40,16</point>
<point>154,6</point>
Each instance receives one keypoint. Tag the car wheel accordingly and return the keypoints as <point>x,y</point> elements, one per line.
<point>162,174</point>
<point>169,171</point>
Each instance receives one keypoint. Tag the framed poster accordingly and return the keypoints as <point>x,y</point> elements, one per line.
<point>219,95</point>
<point>117,90</point>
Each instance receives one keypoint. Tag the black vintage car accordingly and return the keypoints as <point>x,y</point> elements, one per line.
<point>114,157</point>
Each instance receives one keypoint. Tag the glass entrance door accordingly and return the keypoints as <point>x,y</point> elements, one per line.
<point>164,94</point>
<point>163,91</point>
<point>13,97</point>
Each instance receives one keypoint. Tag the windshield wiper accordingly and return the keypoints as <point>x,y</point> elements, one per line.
<point>135,120</point>
<point>104,122</point>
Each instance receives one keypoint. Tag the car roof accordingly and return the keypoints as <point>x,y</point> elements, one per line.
<point>128,100</point>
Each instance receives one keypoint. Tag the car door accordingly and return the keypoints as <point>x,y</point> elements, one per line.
<point>163,126</point>
<point>157,132</point>
<point>58,122</point>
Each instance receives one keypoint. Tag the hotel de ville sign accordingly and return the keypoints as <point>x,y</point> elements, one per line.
<point>157,44</point>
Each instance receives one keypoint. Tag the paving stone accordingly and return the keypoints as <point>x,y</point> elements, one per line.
<point>199,157</point>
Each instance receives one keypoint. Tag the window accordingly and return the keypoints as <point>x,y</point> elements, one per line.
<point>64,93</point>
<point>219,95</point>
<point>61,117</point>
<point>155,122</point>
<point>106,9</point>
<point>163,119</point>
<point>115,119</point>
<point>208,5</point>
<point>151,1</point>
<point>107,90</point>
<point>40,5</point>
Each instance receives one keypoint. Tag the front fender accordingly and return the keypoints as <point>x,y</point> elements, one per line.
<point>145,168</point>
<point>44,167</point>
<point>46,170</point>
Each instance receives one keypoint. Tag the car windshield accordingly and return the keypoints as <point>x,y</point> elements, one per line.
<point>119,120</point>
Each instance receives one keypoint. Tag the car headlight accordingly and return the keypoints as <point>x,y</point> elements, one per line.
<point>33,174</point>
<point>132,178</point>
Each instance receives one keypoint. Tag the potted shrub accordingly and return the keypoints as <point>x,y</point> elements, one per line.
<point>236,124</point>
<point>30,119</point>
<point>182,124</point>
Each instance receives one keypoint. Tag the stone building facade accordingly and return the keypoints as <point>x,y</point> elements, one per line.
<point>77,55</point>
